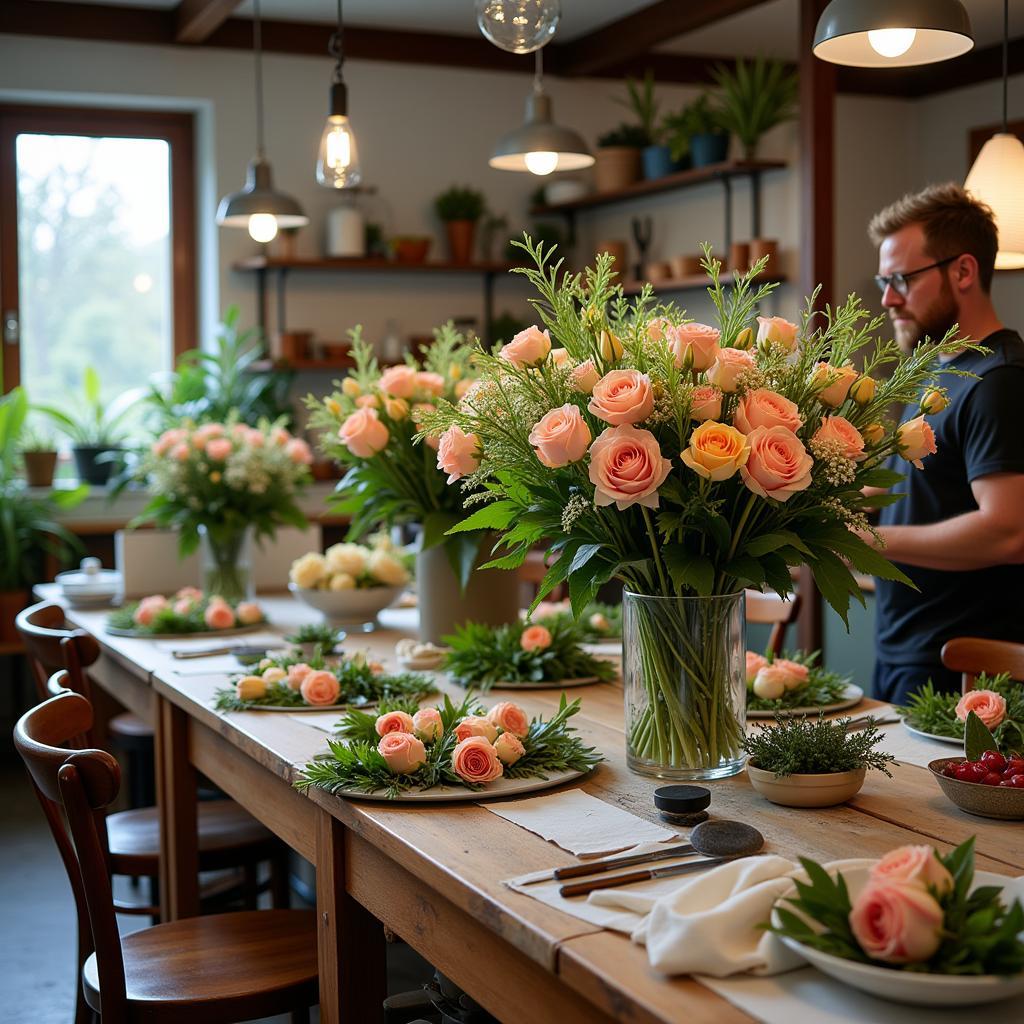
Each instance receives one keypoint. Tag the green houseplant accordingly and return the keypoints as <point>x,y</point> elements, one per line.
<point>696,131</point>
<point>756,96</point>
<point>39,454</point>
<point>656,160</point>
<point>617,160</point>
<point>459,208</point>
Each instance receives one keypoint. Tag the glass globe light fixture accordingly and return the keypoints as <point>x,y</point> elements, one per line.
<point>519,26</point>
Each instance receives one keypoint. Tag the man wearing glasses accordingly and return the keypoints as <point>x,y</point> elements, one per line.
<point>959,532</point>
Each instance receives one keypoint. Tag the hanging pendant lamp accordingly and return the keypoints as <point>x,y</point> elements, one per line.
<point>997,177</point>
<point>259,206</point>
<point>892,33</point>
<point>337,161</point>
<point>540,146</point>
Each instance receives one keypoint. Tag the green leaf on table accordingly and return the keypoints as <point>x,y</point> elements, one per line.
<point>977,738</point>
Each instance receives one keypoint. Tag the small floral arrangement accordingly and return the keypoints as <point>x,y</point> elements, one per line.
<point>352,566</point>
<point>522,652</point>
<point>598,621</point>
<point>320,682</point>
<point>187,611</point>
<point>998,701</point>
<point>463,745</point>
<point>919,911</point>
<point>778,684</point>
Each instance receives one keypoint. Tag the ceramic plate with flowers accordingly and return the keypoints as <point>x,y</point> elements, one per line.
<point>997,700</point>
<point>184,613</point>
<point>795,683</point>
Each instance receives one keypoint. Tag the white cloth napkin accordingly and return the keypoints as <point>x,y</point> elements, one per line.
<point>580,823</point>
<point>905,746</point>
<point>272,641</point>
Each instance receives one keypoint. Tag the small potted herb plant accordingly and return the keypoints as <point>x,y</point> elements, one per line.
<point>756,96</point>
<point>39,455</point>
<point>617,160</point>
<point>655,158</point>
<point>801,762</point>
<point>460,209</point>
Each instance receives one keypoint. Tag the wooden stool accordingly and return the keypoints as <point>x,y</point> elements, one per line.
<point>765,608</point>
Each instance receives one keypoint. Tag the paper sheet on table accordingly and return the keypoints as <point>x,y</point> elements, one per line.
<point>272,641</point>
<point>324,721</point>
<point>580,823</point>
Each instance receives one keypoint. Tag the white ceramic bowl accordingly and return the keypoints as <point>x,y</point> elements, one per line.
<point>824,790</point>
<point>355,609</point>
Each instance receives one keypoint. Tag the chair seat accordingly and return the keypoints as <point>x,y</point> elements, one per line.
<point>130,727</point>
<point>223,967</point>
<point>227,836</point>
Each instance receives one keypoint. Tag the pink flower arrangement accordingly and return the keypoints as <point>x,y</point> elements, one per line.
<point>988,705</point>
<point>535,638</point>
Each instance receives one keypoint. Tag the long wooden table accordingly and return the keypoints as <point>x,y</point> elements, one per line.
<point>433,873</point>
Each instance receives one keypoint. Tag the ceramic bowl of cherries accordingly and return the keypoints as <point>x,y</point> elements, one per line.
<point>991,786</point>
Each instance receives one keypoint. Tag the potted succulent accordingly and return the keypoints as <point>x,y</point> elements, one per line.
<point>460,209</point>
<point>697,132</point>
<point>39,455</point>
<point>756,96</point>
<point>617,160</point>
<point>801,762</point>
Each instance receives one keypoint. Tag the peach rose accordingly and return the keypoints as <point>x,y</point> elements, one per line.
<point>622,397</point>
<point>915,439</point>
<point>148,609</point>
<point>194,593</point>
<point>394,721</point>
<point>182,606</point>
<point>755,662</point>
<point>777,331</point>
<point>560,436</point>
<point>254,438</point>
<point>368,402</point>
<point>475,761</point>
<point>458,453</point>
<point>510,717</point>
<point>584,376</point>
<point>770,682</point>
<point>730,365</point>
<point>320,687</point>
<point>873,433</point>
<point>280,436</point>
<point>840,431</point>
<point>180,452</point>
<point>274,674</point>
<point>476,725</point>
<point>535,638</point>
<point>218,615</point>
<point>363,434</point>
<point>626,467</point>
<point>427,724</point>
<point>834,383</point>
<point>778,466</point>
<point>695,346</point>
<point>705,403</point>
<point>527,348</point>
<point>794,675</point>
<point>296,673</point>
<point>986,704</point>
<point>251,688</point>
<point>898,924</point>
<point>716,451</point>
<point>298,451</point>
<point>559,356</point>
<point>658,327</point>
<point>249,612</point>
<point>399,381</point>
<point>764,408</point>
<point>913,865</point>
<point>509,748</point>
<point>403,753</point>
<point>430,382</point>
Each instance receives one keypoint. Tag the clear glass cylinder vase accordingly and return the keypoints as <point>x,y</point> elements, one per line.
<point>225,558</point>
<point>684,677</point>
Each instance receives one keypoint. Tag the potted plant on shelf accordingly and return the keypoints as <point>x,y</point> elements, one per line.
<point>617,160</point>
<point>39,455</point>
<point>411,249</point>
<point>654,157</point>
<point>697,132</point>
<point>801,762</point>
<point>460,209</point>
<point>756,96</point>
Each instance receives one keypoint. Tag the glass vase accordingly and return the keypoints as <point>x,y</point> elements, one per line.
<point>684,675</point>
<point>225,557</point>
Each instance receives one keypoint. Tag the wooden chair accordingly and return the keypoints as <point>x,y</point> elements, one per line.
<point>770,608</point>
<point>973,655</point>
<point>204,970</point>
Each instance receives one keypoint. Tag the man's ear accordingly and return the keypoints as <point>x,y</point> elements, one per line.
<point>963,272</point>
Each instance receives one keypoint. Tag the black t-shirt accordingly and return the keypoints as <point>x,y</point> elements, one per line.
<point>979,433</point>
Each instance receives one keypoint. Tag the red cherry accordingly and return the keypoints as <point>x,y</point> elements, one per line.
<point>1006,784</point>
<point>993,760</point>
<point>992,779</point>
<point>1014,766</point>
<point>970,771</point>
<point>949,769</point>
<point>1017,781</point>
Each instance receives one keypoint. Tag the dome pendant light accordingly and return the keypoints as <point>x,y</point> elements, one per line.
<point>259,206</point>
<point>540,146</point>
<point>337,161</point>
<point>997,177</point>
<point>892,33</point>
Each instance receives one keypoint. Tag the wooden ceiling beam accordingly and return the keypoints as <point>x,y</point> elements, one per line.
<point>194,20</point>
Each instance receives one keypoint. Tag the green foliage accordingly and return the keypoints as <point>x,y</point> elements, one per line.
<point>96,423</point>
<point>460,203</point>
<point>630,136</point>
<point>598,621</point>
<point>803,746</point>
<point>822,687</point>
<point>315,633</point>
<point>505,327</point>
<point>34,439</point>
<point>698,117</point>
<point>167,620</point>
<point>640,100</point>
<point>755,97</point>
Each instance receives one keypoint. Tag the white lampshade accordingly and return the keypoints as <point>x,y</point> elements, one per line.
<point>997,178</point>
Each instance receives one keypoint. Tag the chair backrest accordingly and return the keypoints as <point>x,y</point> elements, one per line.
<point>42,628</point>
<point>973,655</point>
<point>272,560</point>
<point>770,608</point>
<point>149,563</point>
<point>83,783</point>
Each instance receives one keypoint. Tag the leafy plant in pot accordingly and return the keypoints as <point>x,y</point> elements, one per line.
<point>756,96</point>
<point>617,160</point>
<point>695,133</point>
<point>655,158</point>
<point>460,209</point>
<point>39,455</point>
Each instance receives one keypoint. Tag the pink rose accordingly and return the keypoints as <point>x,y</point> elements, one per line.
<point>296,673</point>
<point>427,724</point>
<point>476,725</point>
<point>755,662</point>
<point>527,348</point>
<point>249,612</point>
<point>431,383</point>
<point>209,430</point>
<point>399,381</point>
<point>986,704</point>
<point>560,437</point>
<point>835,383</point>
<point>180,452</point>
<point>584,376</point>
<point>509,748</point>
<point>458,453</point>
<point>728,368</point>
<point>626,466</point>
<point>915,439</point>
<point>535,638</point>
<point>298,451</point>
<point>280,436</point>
<point>898,924</point>
<point>622,397</point>
<point>705,403</point>
<point>510,717</point>
<point>194,593</point>
<point>368,402</point>
<point>394,721</point>
<point>775,330</point>
<point>182,606</point>
<point>218,449</point>
<point>764,408</point>
<point>320,687</point>
<point>475,761</point>
<point>254,438</point>
<point>658,327</point>
<point>218,615</point>
<point>403,753</point>
<point>778,465</point>
<point>695,346</point>
<point>239,430</point>
<point>148,609</point>
<point>363,434</point>
<point>913,864</point>
<point>794,675</point>
<point>840,431</point>
<point>559,356</point>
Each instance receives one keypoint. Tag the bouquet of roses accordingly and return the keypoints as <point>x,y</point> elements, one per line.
<point>686,461</point>
<point>187,611</point>
<point>352,567</point>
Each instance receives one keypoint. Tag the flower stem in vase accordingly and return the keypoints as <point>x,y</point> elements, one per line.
<point>226,562</point>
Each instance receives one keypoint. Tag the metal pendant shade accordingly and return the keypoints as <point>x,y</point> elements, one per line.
<point>540,135</point>
<point>892,33</point>
<point>259,196</point>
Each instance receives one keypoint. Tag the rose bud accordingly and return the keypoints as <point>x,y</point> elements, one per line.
<point>862,390</point>
<point>611,347</point>
<point>933,401</point>
<point>744,339</point>
<point>873,433</point>
<point>274,674</point>
<point>351,387</point>
<point>250,688</point>
<point>509,748</point>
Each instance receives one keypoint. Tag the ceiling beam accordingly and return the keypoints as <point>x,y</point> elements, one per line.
<point>194,20</point>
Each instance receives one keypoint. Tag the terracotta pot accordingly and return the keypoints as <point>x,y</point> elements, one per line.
<point>411,250</point>
<point>461,236</point>
<point>616,249</point>
<point>295,344</point>
<point>657,270</point>
<point>765,247</point>
<point>685,266</point>
<point>616,167</point>
<point>11,602</point>
<point>824,790</point>
<point>739,256</point>
<point>39,468</point>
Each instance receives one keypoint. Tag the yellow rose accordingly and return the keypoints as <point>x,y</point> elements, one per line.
<point>716,451</point>
<point>611,347</point>
<point>396,408</point>
<point>873,433</point>
<point>274,674</point>
<point>308,571</point>
<point>341,581</point>
<point>250,688</point>
<point>862,390</point>
<point>351,388</point>
<point>385,567</point>
<point>744,339</point>
<point>350,558</point>
<point>933,401</point>
<point>333,406</point>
